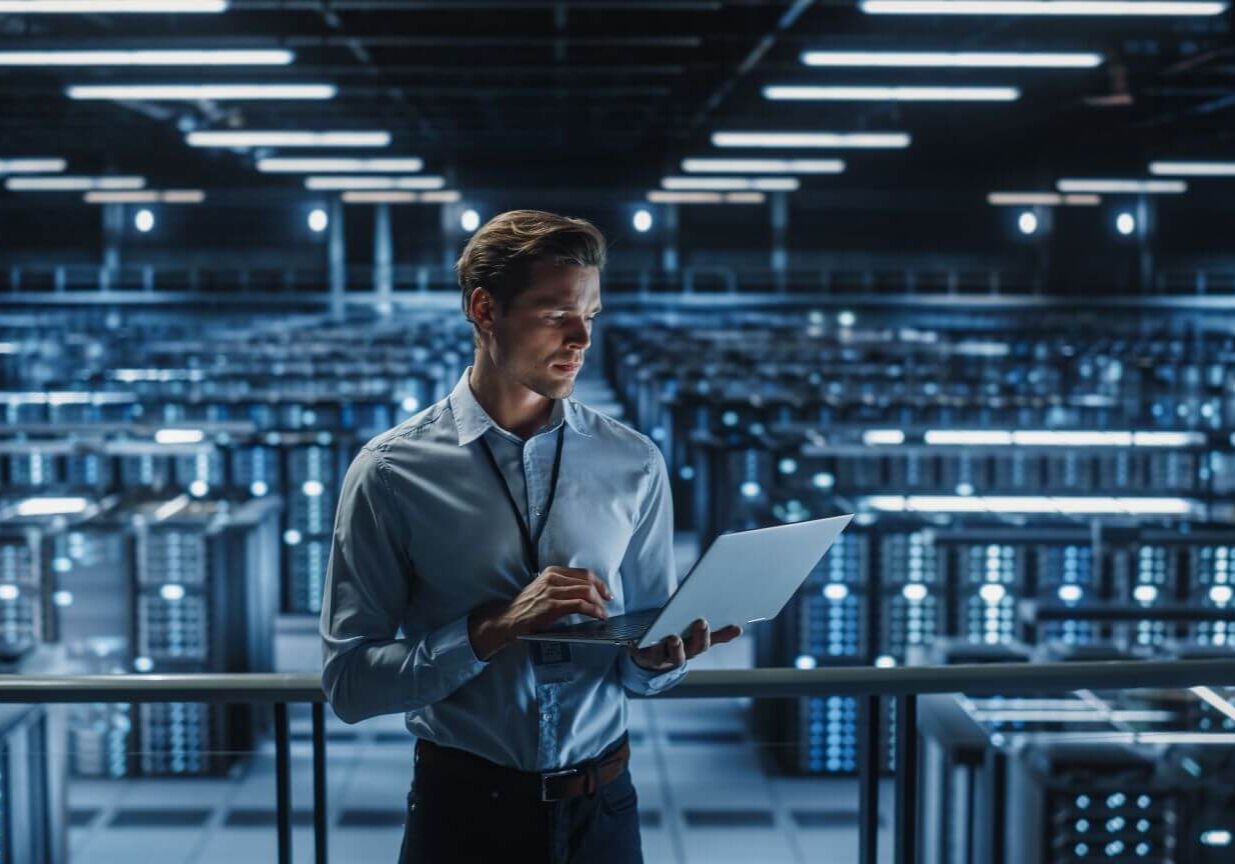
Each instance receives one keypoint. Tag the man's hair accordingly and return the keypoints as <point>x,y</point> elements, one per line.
<point>500,255</point>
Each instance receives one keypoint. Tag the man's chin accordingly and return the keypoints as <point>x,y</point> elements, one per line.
<point>555,388</point>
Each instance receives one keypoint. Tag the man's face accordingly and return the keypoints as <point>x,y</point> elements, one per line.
<point>540,340</point>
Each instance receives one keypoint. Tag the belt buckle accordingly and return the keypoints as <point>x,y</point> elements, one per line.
<point>545,778</point>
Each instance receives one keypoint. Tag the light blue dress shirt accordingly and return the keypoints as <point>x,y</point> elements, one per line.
<point>424,534</point>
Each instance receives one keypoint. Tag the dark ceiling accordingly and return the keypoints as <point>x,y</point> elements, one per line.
<point>614,94</point>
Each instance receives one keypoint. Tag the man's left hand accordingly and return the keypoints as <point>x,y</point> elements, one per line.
<point>671,652</point>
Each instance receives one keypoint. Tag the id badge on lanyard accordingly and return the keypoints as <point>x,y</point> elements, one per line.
<point>551,659</point>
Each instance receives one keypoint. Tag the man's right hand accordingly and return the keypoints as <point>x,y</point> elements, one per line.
<point>555,593</point>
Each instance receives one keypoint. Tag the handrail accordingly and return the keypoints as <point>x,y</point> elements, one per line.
<point>868,683</point>
<point>1004,678</point>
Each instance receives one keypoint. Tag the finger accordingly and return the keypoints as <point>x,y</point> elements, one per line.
<point>588,590</point>
<point>590,576</point>
<point>566,607</point>
<point>586,595</point>
<point>677,651</point>
<point>726,634</point>
<point>653,655</point>
<point>699,639</point>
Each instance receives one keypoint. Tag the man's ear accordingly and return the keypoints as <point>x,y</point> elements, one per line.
<point>482,309</point>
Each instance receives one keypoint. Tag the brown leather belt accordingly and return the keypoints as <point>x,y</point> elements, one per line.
<point>582,779</point>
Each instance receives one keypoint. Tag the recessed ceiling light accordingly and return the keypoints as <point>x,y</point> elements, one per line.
<point>731,184</point>
<point>72,184</point>
<point>951,59</point>
<point>95,7</point>
<point>812,93</point>
<point>243,139</point>
<point>199,92</point>
<point>1193,169</point>
<point>763,166</point>
<point>1116,187</point>
<point>219,57</point>
<point>289,165</point>
<point>1038,7</point>
<point>892,140</point>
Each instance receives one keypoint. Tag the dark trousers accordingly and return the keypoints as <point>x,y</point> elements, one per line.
<point>487,815</point>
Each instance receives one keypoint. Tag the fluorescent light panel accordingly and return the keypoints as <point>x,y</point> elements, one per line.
<point>94,7</point>
<point>763,166</point>
<point>731,184</point>
<point>195,92</point>
<point>660,196</point>
<point>891,94</point>
<point>1028,504</point>
<point>343,182</point>
<point>222,57</point>
<point>444,196</point>
<point>1040,199</point>
<point>856,140</point>
<point>51,506</point>
<point>1193,169</point>
<point>148,196</point>
<point>288,165</point>
<point>951,59</point>
<point>32,166</point>
<point>1039,7</point>
<point>1061,438</point>
<point>179,436</point>
<point>241,139</point>
<point>72,184</point>
<point>1118,187</point>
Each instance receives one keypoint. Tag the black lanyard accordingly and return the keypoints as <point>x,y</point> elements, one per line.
<point>531,543</point>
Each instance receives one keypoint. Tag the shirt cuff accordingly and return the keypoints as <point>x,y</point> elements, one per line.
<point>645,682</point>
<point>449,647</point>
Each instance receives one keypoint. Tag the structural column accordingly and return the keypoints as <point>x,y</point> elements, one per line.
<point>1146,227</point>
<point>383,259</point>
<point>669,261</point>
<point>779,213</point>
<point>338,259</point>
<point>113,232</point>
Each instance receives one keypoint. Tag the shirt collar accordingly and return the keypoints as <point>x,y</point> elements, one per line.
<point>472,421</point>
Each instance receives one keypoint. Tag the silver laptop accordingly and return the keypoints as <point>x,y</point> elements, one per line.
<point>743,577</point>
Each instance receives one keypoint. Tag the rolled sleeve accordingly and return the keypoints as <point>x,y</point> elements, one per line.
<point>367,669</point>
<point>649,577</point>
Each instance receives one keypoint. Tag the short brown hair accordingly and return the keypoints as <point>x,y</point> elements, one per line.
<point>500,255</point>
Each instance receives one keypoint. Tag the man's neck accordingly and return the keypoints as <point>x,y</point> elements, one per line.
<point>512,406</point>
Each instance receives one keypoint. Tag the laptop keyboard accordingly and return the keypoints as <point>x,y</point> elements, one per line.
<point>629,626</point>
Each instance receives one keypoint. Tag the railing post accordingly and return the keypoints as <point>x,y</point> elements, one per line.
<point>906,850</point>
<point>868,779</point>
<point>282,781</point>
<point>320,816</point>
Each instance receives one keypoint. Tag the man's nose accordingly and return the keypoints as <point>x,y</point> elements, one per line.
<point>579,337</point>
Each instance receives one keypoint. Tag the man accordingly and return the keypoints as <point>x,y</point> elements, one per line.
<point>499,511</point>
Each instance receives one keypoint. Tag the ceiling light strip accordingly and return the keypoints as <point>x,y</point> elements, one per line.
<point>199,92</point>
<point>245,139</point>
<point>96,7</point>
<point>810,93</point>
<point>950,60</point>
<point>730,184</point>
<point>1117,187</point>
<point>1193,169</point>
<point>220,57</point>
<point>763,166</point>
<point>856,140</point>
<point>326,165</point>
<point>1114,8</point>
<point>72,184</point>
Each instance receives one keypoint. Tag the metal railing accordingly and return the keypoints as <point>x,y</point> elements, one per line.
<point>904,684</point>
